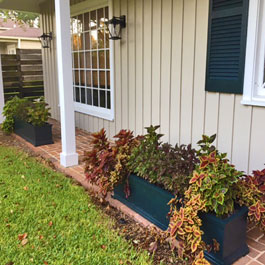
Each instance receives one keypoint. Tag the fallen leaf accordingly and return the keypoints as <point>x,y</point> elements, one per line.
<point>22,236</point>
<point>24,242</point>
<point>153,247</point>
<point>26,188</point>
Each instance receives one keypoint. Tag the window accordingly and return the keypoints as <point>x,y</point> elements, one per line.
<point>226,46</point>
<point>91,55</point>
<point>254,85</point>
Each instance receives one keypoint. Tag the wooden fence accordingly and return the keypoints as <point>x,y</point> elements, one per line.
<point>23,74</point>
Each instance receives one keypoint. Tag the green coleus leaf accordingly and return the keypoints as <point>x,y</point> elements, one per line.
<point>220,199</point>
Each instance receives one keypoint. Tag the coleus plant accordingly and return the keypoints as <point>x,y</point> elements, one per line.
<point>212,188</point>
<point>215,179</point>
<point>106,164</point>
<point>250,192</point>
<point>163,164</point>
<point>185,225</point>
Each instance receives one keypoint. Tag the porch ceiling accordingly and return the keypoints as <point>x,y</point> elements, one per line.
<point>19,5</point>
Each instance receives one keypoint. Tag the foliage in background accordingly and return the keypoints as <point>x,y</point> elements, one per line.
<point>106,165</point>
<point>22,18</point>
<point>163,164</point>
<point>251,193</point>
<point>37,113</point>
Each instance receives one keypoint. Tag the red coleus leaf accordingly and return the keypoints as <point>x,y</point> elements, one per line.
<point>181,212</point>
<point>194,178</point>
<point>194,245</point>
<point>262,188</point>
<point>179,223</point>
<point>212,157</point>
<point>181,231</point>
<point>204,164</point>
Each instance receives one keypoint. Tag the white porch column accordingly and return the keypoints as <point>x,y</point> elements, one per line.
<point>68,156</point>
<point>2,99</point>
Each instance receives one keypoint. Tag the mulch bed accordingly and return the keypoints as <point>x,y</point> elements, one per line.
<point>140,236</point>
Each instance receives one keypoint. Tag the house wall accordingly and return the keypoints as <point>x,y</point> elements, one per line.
<point>160,66</point>
<point>51,91</point>
<point>28,44</point>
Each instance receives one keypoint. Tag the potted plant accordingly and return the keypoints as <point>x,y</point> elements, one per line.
<point>209,199</point>
<point>159,171</point>
<point>212,195</point>
<point>29,120</point>
<point>143,173</point>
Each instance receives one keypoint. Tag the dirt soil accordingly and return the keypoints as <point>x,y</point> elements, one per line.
<point>146,238</point>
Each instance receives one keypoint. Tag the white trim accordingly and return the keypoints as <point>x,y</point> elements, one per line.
<point>104,113</point>
<point>68,157</point>
<point>255,55</point>
<point>87,6</point>
<point>2,99</point>
<point>16,38</point>
<point>107,114</point>
<point>112,65</point>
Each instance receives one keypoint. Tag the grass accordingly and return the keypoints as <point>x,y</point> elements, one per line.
<point>58,220</point>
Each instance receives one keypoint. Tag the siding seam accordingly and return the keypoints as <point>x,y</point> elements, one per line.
<point>193,74</point>
<point>181,69</point>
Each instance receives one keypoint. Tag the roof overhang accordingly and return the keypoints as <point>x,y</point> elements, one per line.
<point>22,5</point>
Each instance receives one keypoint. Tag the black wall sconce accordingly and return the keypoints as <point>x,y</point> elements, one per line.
<point>115,25</point>
<point>45,39</point>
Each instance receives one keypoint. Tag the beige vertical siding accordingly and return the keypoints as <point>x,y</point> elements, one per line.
<point>160,78</point>
<point>49,60</point>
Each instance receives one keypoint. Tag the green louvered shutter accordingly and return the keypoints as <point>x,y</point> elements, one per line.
<point>226,46</point>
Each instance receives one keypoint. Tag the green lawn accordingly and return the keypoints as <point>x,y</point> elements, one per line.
<point>59,222</point>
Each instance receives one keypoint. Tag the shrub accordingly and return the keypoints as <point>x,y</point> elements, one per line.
<point>163,164</point>
<point>38,113</point>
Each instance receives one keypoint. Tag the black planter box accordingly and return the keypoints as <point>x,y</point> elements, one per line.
<point>146,199</point>
<point>151,201</point>
<point>33,134</point>
<point>230,233</point>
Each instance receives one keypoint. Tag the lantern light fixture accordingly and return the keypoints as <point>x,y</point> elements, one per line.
<point>114,27</point>
<point>45,39</point>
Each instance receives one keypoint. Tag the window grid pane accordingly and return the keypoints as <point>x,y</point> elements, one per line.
<point>90,49</point>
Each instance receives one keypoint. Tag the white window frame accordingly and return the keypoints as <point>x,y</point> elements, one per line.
<point>104,113</point>
<point>254,90</point>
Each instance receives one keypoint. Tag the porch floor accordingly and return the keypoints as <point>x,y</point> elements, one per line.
<point>256,240</point>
